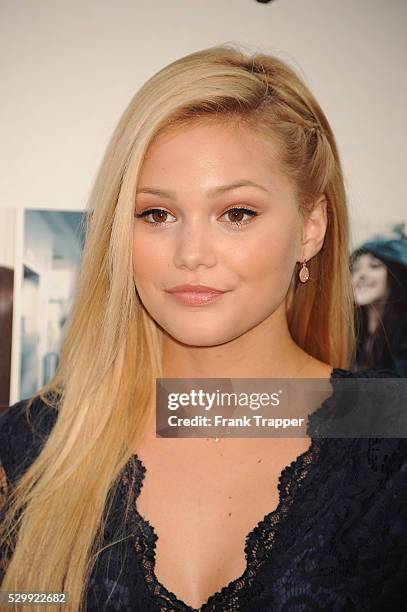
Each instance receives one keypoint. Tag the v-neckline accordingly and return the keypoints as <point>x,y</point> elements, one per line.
<point>252,539</point>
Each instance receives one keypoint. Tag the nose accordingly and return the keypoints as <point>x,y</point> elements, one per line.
<point>359,273</point>
<point>194,247</point>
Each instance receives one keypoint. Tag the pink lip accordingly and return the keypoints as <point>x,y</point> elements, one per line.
<point>194,289</point>
<point>193,298</point>
<point>195,295</point>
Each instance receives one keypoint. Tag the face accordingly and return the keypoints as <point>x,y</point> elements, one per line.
<point>369,280</point>
<point>212,208</point>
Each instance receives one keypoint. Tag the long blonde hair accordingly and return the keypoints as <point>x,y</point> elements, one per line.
<point>111,356</point>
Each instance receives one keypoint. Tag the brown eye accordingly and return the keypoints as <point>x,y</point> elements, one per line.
<point>236,215</point>
<point>158,215</point>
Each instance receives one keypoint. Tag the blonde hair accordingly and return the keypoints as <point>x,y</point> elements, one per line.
<point>111,356</point>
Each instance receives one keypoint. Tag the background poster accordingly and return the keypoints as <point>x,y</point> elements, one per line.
<point>38,286</point>
<point>67,77</point>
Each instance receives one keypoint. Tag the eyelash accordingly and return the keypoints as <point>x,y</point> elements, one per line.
<point>236,224</point>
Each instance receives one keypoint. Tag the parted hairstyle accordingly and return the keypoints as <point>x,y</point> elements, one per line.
<point>111,355</point>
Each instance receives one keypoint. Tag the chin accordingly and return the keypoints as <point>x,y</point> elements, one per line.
<point>366,300</point>
<point>204,337</point>
<point>361,301</point>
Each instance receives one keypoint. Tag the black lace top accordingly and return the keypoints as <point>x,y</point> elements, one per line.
<point>336,542</point>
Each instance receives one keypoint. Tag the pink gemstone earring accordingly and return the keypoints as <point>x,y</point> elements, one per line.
<point>304,272</point>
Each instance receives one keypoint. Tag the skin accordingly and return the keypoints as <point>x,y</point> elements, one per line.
<point>245,332</point>
<point>370,286</point>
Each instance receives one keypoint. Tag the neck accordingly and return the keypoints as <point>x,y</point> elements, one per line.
<point>374,315</point>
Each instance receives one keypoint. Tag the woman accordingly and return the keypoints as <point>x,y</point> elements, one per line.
<point>222,172</point>
<point>379,278</point>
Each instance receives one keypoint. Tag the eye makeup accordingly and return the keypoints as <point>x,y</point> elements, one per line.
<point>234,223</point>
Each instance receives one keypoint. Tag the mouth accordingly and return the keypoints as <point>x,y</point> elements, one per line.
<point>196,299</point>
<point>195,295</point>
<point>194,289</point>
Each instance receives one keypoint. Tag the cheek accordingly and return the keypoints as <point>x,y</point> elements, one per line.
<point>147,259</point>
<point>378,276</point>
<point>383,276</point>
<point>355,278</point>
<point>271,257</point>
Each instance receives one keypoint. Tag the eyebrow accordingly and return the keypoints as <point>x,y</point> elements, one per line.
<point>211,192</point>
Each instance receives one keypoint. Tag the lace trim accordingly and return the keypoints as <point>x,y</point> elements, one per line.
<point>258,542</point>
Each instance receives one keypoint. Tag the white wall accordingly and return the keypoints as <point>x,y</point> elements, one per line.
<point>68,70</point>
<point>7,237</point>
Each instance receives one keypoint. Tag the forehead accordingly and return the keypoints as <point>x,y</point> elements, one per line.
<point>367,258</point>
<point>213,151</point>
<point>214,138</point>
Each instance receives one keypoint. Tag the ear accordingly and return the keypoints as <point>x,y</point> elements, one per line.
<point>314,229</point>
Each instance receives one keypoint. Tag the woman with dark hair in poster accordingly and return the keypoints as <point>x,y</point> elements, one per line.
<point>379,278</point>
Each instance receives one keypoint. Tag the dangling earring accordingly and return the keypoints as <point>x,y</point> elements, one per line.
<point>304,272</point>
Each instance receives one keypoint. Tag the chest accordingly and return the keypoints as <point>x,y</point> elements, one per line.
<point>202,500</point>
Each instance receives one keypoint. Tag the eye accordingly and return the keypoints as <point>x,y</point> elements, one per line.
<point>237,215</point>
<point>159,216</point>
<point>158,212</point>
